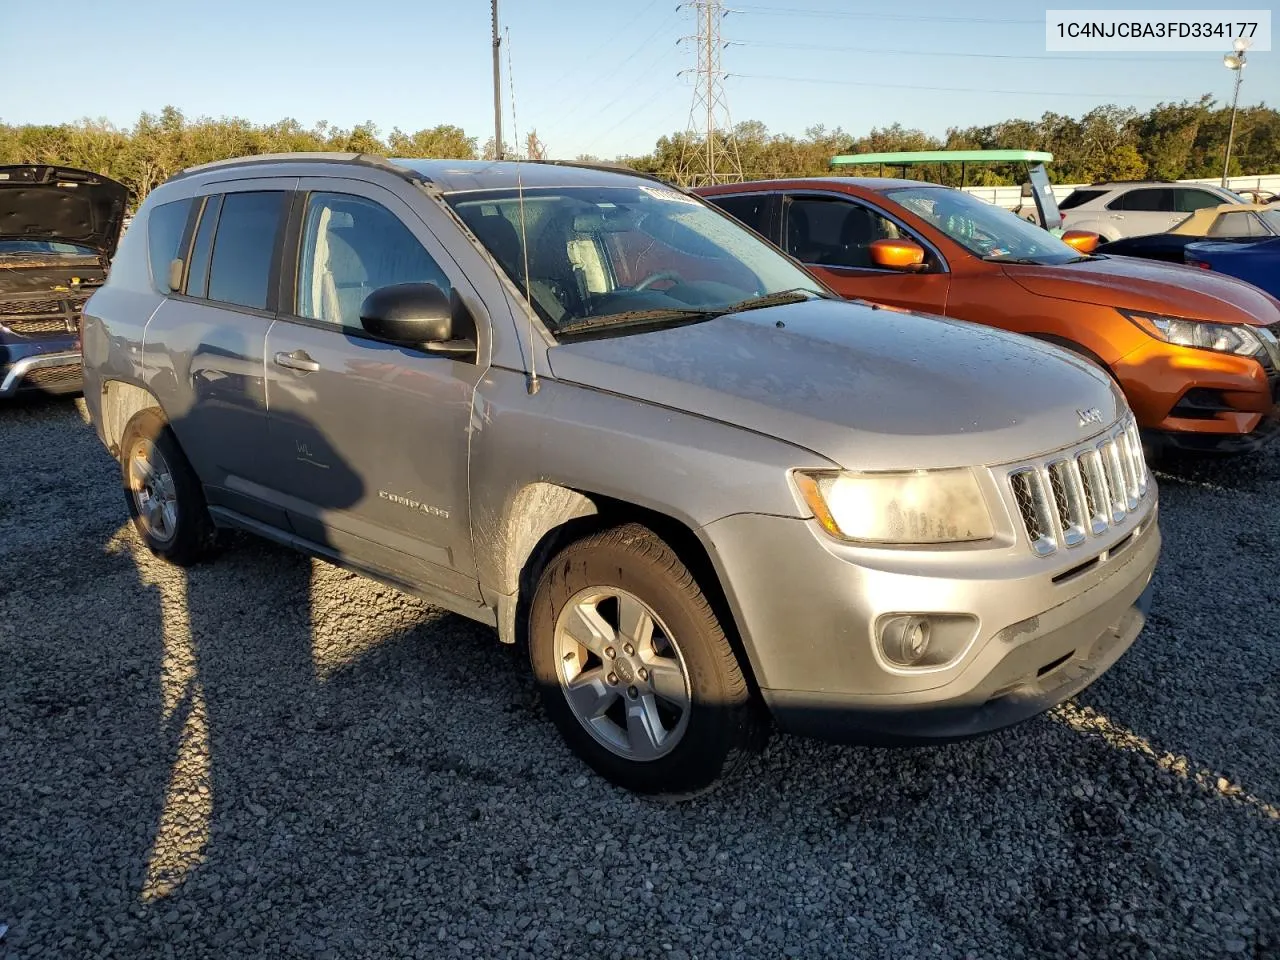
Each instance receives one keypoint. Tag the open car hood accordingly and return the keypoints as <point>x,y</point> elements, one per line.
<point>42,202</point>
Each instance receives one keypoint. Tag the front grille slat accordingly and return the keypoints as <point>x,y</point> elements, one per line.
<point>1033,503</point>
<point>1115,478</point>
<point>1066,499</point>
<point>30,325</point>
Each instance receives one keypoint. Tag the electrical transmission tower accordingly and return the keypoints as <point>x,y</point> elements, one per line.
<point>709,155</point>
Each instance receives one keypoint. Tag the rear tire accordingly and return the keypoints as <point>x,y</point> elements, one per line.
<point>634,668</point>
<point>162,491</point>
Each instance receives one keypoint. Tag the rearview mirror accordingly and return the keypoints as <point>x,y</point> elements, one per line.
<point>1028,190</point>
<point>175,275</point>
<point>898,255</point>
<point>414,314</point>
<point>1082,240</point>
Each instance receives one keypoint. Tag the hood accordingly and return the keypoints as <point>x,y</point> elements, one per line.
<point>873,389</point>
<point>1151,286</point>
<point>40,202</point>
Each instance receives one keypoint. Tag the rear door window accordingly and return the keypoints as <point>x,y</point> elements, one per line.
<point>751,209</point>
<point>198,272</point>
<point>1150,200</point>
<point>166,227</point>
<point>244,247</point>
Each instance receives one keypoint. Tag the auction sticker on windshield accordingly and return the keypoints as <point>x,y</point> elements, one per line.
<point>1143,30</point>
<point>671,196</point>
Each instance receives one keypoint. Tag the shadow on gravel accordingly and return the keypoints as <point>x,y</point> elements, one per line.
<point>266,756</point>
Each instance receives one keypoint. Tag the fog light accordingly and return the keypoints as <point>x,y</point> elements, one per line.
<point>925,640</point>
<point>905,640</point>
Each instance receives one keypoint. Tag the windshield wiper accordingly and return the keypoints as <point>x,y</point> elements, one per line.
<point>794,295</point>
<point>639,318</point>
<point>663,316</point>
<point>1003,259</point>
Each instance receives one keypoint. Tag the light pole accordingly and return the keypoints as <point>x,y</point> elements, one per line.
<point>1234,61</point>
<point>497,87</point>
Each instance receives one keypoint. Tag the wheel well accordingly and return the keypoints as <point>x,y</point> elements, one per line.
<point>121,401</point>
<point>610,512</point>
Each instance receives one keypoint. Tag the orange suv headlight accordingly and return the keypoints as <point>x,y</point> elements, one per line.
<point>1220,337</point>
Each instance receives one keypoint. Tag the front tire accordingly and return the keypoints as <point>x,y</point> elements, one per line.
<point>634,667</point>
<point>163,492</point>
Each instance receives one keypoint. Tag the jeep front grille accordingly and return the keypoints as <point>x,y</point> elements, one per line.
<point>31,316</point>
<point>1082,493</point>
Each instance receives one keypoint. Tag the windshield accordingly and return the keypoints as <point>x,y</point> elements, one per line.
<point>1272,219</point>
<point>983,228</point>
<point>596,255</point>
<point>45,246</point>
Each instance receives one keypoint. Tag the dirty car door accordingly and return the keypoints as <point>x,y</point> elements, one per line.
<point>370,439</point>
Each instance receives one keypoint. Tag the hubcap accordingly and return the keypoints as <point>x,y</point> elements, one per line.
<point>151,485</point>
<point>622,673</point>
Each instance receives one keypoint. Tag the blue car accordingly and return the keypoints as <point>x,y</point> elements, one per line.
<point>1257,262</point>
<point>58,231</point>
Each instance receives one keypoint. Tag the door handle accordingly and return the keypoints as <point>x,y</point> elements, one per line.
<point>1117,216</point>
<point>298,360</point>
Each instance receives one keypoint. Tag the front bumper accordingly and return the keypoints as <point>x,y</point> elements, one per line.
<point>1266,430</point>
<point>1198,400</point>
<point>807,618</point>
<point>40,367</point>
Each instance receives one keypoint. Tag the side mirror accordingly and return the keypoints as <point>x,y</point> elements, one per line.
<point>414,314</point>
<point>899,254</point>
<point>1082,240</point>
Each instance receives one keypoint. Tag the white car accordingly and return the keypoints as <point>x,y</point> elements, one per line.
<point>1133,209</point>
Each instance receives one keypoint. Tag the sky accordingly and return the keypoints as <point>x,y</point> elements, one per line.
<point>591,76</point>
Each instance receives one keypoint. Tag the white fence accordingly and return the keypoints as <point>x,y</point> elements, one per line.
<point>1009,197</point>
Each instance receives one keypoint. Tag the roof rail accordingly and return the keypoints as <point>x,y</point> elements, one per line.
<point>363,159</point>
<point>1102,183</point>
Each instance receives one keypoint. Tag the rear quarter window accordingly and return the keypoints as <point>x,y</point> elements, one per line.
<point>165,228</point>
<point>1078,198</point>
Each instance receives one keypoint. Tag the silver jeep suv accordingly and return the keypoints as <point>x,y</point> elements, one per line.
<point>592,411</point>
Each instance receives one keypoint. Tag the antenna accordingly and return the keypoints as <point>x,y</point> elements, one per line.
<point>716,160</point>
<point>531,382</point>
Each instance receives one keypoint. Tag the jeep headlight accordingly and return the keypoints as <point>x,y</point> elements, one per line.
<point>1222,337</point>
<point>919,506</point>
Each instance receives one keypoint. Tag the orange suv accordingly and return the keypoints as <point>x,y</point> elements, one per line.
<point>1195,352</point>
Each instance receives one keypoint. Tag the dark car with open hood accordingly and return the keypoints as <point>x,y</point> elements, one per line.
<point>58,231</point>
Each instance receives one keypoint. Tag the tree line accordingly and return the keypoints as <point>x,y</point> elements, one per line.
<point>1171,141</point>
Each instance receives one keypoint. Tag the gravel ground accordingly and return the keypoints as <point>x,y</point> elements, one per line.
<point>269,756</point>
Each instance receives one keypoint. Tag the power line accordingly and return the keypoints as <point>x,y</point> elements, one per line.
<point>604,45</point>
<point>909,86</point>
<point>565,119</point>
<point>859,15</point>
<point>1059,58</point>
<point>608,130</point>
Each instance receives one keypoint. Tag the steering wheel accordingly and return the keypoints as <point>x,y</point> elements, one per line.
<point>653,278</point>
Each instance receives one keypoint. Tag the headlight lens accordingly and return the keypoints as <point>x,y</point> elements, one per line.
<point>921,506</point>
<point>1222,337</point>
